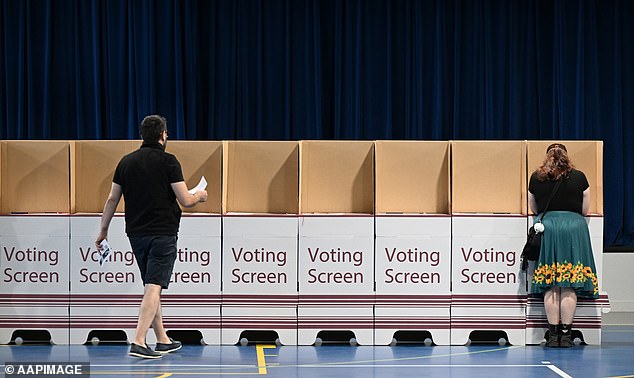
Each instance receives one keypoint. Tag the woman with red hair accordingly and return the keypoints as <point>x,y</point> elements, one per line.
<point>565,269</point>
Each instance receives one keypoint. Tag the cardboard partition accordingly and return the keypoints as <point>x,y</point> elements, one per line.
<point>336,255</point>
<point>412,177</point>
<point>488,286</point>
<point>586,156</point>
<point>259,276</point>
<point>201,158</point>
<point>336,177</point>
<point>488,177</point>
<point>261,177</point>
<point>259,256</point>
<point>338,314</point>
<point>35,275</point>
<point>2,147</point>
<point>240,321</point>
<point>102,297</point>
<point>595,228</point>
<point>413,254</point>
<point>107,297</point>
<point>336,276</point>
<point>486,255</point>
<point>35,176</point>
<point>413,276</point>
<point>193,299</point>
<point>92,166</point>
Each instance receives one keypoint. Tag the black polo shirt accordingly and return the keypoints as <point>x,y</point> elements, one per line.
<point>145,176</point>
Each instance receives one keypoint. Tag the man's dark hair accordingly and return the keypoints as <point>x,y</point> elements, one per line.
<point>151,128</point>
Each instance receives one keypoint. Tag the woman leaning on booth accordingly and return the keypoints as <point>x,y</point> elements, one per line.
<point>565,269</point>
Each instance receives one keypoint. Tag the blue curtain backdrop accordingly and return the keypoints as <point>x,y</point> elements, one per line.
<point>328,69</point>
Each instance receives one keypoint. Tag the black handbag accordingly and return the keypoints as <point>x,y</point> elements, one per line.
<point>533,245</point>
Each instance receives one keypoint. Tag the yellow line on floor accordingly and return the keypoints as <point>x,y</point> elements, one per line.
<point>165,375</point>
<point>261,359</point>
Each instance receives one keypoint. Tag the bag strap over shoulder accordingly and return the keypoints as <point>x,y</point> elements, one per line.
<point>552,194</point>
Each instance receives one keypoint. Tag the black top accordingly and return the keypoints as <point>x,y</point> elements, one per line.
<point>569,196</point>
<point>145,176</point>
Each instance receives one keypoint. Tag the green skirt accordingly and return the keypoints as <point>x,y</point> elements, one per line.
<point>565,257</point>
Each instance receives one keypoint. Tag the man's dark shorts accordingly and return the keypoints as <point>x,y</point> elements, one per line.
<point>155,256</point>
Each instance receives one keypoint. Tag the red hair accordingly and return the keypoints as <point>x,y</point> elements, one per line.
<point>556,165</point>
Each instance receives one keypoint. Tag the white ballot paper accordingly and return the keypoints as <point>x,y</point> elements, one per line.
<point>202,184</point>
<point>105,251</point>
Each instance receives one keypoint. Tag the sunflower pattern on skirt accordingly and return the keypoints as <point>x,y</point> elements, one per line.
<point>566,275</point>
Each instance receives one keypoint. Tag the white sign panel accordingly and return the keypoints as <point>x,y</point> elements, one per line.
<point>34,254</point>
<point>34,269</point>
<point>336,255</point>
<point>486,254</point>
<point>118,274</point>
<point>413,255</point>
<point>197,269</point>
<point>260,255</point>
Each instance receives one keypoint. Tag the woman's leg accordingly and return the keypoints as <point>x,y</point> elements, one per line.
<point>551,305</point>
<point>567,307</point>
<point>552,299</point>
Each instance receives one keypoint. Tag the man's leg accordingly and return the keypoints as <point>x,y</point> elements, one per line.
<point>147,312</point>
<point>159,329</point>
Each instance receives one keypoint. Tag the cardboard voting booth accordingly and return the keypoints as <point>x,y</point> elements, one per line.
<point>413,240</point>
<point>193,300</point>
<point>201,159</point>
<point>92,165</point>
<point>260,191</point>
<point>336,240</point>
<point>35,176</point>
<point>34,261</point>
<point>107,297</point>
<point>587,156</point>
<point>102,297</point>
<point>34,238</point>
<point>489,225</point>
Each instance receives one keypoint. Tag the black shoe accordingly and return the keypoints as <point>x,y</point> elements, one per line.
<point>553,336</point>
<point>167,348</point>
<point>143,351</point>
<point>565,336</point>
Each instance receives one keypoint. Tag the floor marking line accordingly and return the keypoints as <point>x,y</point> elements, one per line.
<point>421,366</point>
<point>165,375</point>
<point>261,359</point>
<point>419,357</point>
<point>558,371</point>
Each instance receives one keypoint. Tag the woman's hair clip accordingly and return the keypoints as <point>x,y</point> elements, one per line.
<point>556,145</point>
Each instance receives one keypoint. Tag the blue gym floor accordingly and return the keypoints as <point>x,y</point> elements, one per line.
<point>614,358</point>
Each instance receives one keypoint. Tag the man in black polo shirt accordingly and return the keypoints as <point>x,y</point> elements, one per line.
<point>151,182</point>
